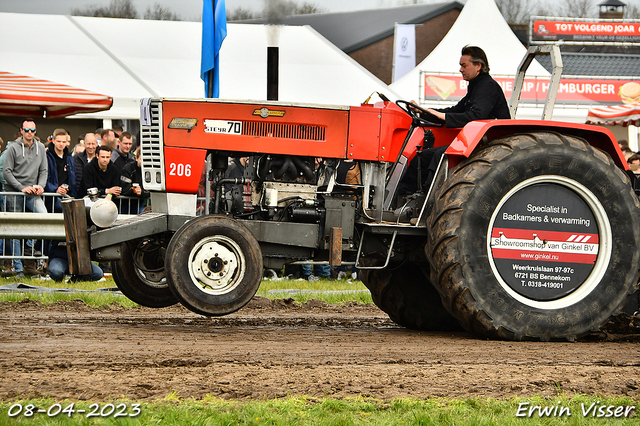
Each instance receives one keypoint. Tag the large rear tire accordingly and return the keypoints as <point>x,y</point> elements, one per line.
<point>535,236</point>
<point>405,294</point>
<point>214,265</point>
<point>140,275</point>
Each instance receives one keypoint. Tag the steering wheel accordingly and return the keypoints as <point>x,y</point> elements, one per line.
<point>412,109</point>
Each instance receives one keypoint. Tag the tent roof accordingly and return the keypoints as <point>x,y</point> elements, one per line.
<point>624,115</point>
<point>134,59</point>
<point>27,96</point>
<point>350,31</point>
<point>481,24</point>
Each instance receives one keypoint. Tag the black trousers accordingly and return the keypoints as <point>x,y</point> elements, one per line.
<point>429,159</point>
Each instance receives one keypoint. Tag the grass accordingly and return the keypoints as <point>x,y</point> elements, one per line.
<point>301,411</point>
<point>333,292</point>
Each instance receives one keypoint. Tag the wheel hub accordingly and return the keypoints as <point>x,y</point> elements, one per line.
<point>216,264</point>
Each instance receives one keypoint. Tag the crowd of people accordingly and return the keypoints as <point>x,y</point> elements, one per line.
<point>31,168</point>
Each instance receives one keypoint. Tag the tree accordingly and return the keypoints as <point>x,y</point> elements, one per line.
<point>116,9</point>
<point>516,11</point>
<point>160,13</point>
<point>240,14</point>
<point>577,9</point>
<point>633,11</point>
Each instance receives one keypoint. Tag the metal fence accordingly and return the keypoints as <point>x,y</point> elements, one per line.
<point>20,221</point>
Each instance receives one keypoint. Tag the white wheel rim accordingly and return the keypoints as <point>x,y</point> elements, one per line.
<point>604,249</point>
<point>216,265</point>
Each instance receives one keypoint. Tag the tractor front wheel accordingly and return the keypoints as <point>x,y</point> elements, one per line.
<point>214,265</point>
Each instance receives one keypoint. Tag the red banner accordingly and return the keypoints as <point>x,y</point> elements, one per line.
<point>572,91</point>
<point>585,31</point>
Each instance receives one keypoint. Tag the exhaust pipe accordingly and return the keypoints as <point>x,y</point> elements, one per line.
<point>273,54</point>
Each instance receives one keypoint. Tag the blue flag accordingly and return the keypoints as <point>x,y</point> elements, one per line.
<point>214,30</point>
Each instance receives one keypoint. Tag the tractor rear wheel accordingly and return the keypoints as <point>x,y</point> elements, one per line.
<point>405,294</point>
<point>140,274</point>
<point>214,265</point>
<point>535,237</point>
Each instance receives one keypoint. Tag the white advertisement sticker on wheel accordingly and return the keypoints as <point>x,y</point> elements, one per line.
<point>544,241</point>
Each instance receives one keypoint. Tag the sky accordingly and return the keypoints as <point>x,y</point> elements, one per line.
<point>186,9</point>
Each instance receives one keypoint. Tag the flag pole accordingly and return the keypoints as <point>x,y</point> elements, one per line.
<point>210,72</point>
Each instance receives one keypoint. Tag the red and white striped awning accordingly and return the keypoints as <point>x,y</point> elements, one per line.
<point>624,115</point>
<point>25,96</point>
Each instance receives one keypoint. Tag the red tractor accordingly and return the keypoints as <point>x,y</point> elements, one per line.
<point>528,230</point>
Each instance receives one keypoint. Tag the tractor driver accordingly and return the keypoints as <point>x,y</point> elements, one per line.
<point>484,100</point>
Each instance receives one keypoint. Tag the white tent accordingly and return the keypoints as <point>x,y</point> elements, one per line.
<point>481,24</point>
<point>134,59</point>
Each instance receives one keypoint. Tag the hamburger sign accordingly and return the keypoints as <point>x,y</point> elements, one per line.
<point>441,87</point>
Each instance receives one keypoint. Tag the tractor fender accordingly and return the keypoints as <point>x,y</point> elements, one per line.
<point>483,131</point>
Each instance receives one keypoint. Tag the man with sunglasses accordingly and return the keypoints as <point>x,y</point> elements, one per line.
<point>25,170</point>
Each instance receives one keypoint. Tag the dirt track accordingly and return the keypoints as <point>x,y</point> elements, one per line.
<point>274,349</point>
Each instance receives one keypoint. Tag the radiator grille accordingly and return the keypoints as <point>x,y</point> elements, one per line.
<point>152,151</point>
<point>284,131</point>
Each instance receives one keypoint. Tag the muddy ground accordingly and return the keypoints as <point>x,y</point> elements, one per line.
<point>274,349</point>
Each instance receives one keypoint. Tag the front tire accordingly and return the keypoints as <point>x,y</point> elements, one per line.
<point>214,265</point>
<point>140,275</point>
<point>535,236</point>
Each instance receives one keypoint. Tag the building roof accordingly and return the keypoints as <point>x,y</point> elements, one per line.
<point>612,3</point>
<point>350,31</point>
<point>596,64</point>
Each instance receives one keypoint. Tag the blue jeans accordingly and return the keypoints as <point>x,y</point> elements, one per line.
<point>1,210</point>
<point>59,267</point>
<point>323,271</point>
<point>21,203</point>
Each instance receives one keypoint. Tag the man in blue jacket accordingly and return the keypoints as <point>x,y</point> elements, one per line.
<point>62,170</point>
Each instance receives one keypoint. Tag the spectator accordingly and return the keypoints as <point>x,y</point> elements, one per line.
<point>82,159</point>
<point>79,146</point>
<point>202,192</point>
<point>319,271</point>
<point>78,149</point>
<point>62,170</point>
<point>59,265</point>
<point>108,138</point>
<point>236,167</point>
<point>132,185</point>
<point>97,135</point>
<point>624,147</point>
<point>634,163</point>
<point>118,129</point>
<point>25,170</point>
<point>100,173</point>
<point>6,264</point>
<point>122,155</point>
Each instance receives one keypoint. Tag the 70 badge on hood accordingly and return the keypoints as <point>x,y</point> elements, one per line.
<point>225,127</point>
